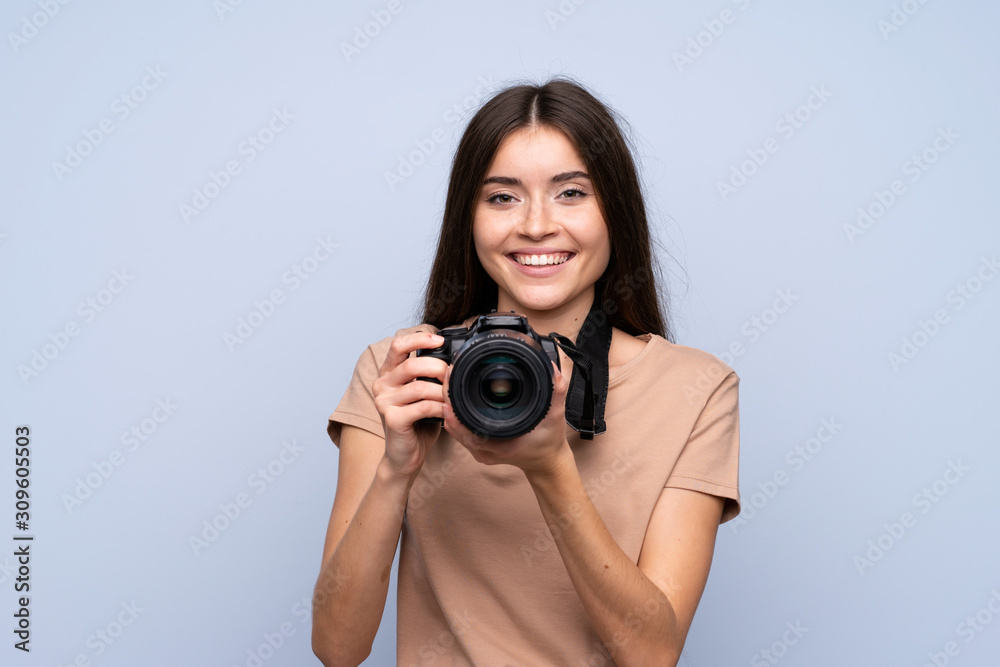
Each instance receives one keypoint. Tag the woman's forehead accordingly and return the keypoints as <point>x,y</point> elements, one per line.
<point>538,151</point>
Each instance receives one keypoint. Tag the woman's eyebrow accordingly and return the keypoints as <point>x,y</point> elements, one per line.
<point>558,178</point>
<point>569,176</point>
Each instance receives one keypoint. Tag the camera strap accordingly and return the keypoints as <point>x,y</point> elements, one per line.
<point>588,387</point>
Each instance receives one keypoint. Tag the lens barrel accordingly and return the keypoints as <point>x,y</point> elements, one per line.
<point>501,377</point>
<point>501,384</point>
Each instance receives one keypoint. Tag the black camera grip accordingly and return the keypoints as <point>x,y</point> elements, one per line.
<point>429,420</point>
<point>441,352</point>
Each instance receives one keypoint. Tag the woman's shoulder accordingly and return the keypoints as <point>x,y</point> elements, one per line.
<point>625,347</point>
<point>656,352</point>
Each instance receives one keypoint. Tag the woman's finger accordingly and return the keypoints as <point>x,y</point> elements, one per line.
<point>401,346</point>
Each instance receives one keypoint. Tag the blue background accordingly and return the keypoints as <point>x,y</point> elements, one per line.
<point>705,87</point>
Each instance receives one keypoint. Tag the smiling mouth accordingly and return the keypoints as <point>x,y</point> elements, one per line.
<point>548,259</point>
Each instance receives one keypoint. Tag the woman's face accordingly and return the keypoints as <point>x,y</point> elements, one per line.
<point>537,225</point>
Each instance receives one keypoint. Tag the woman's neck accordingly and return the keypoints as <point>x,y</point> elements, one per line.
<point>566,320</point>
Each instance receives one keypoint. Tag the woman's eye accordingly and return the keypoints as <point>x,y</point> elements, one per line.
<point>573,193</point>
<point>500,197</point>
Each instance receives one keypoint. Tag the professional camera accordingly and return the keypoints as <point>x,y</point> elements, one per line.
<point>501,377</point>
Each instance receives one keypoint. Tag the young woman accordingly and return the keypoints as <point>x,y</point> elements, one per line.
<point>551,548</point>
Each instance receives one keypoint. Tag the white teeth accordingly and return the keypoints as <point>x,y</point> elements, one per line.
<point>540,260</point>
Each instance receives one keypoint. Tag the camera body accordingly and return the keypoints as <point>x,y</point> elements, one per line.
<point>501,377</point>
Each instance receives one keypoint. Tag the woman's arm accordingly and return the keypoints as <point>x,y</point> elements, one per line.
<point>642,612</point>
<point>374,480</point>
<point>360,546</point>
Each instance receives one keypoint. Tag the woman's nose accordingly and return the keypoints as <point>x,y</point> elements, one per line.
<point>537,221</point>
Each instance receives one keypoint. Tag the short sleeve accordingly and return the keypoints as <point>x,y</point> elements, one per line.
<point>357,407</point>
<point>709,462</point>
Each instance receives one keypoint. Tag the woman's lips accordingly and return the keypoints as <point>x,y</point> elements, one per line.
<point>539,271</point>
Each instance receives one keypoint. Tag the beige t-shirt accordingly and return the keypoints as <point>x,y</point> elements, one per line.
<point>481,580</point>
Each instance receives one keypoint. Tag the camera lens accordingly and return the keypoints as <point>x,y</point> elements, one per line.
<point>500,386</point>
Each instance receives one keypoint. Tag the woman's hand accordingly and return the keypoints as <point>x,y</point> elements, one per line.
<point>543,450</point>
<point>401,401</point>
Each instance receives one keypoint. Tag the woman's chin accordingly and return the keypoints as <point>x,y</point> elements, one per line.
<point>536,304</point>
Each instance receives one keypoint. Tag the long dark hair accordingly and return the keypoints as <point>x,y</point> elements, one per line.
<point>459,286</point>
